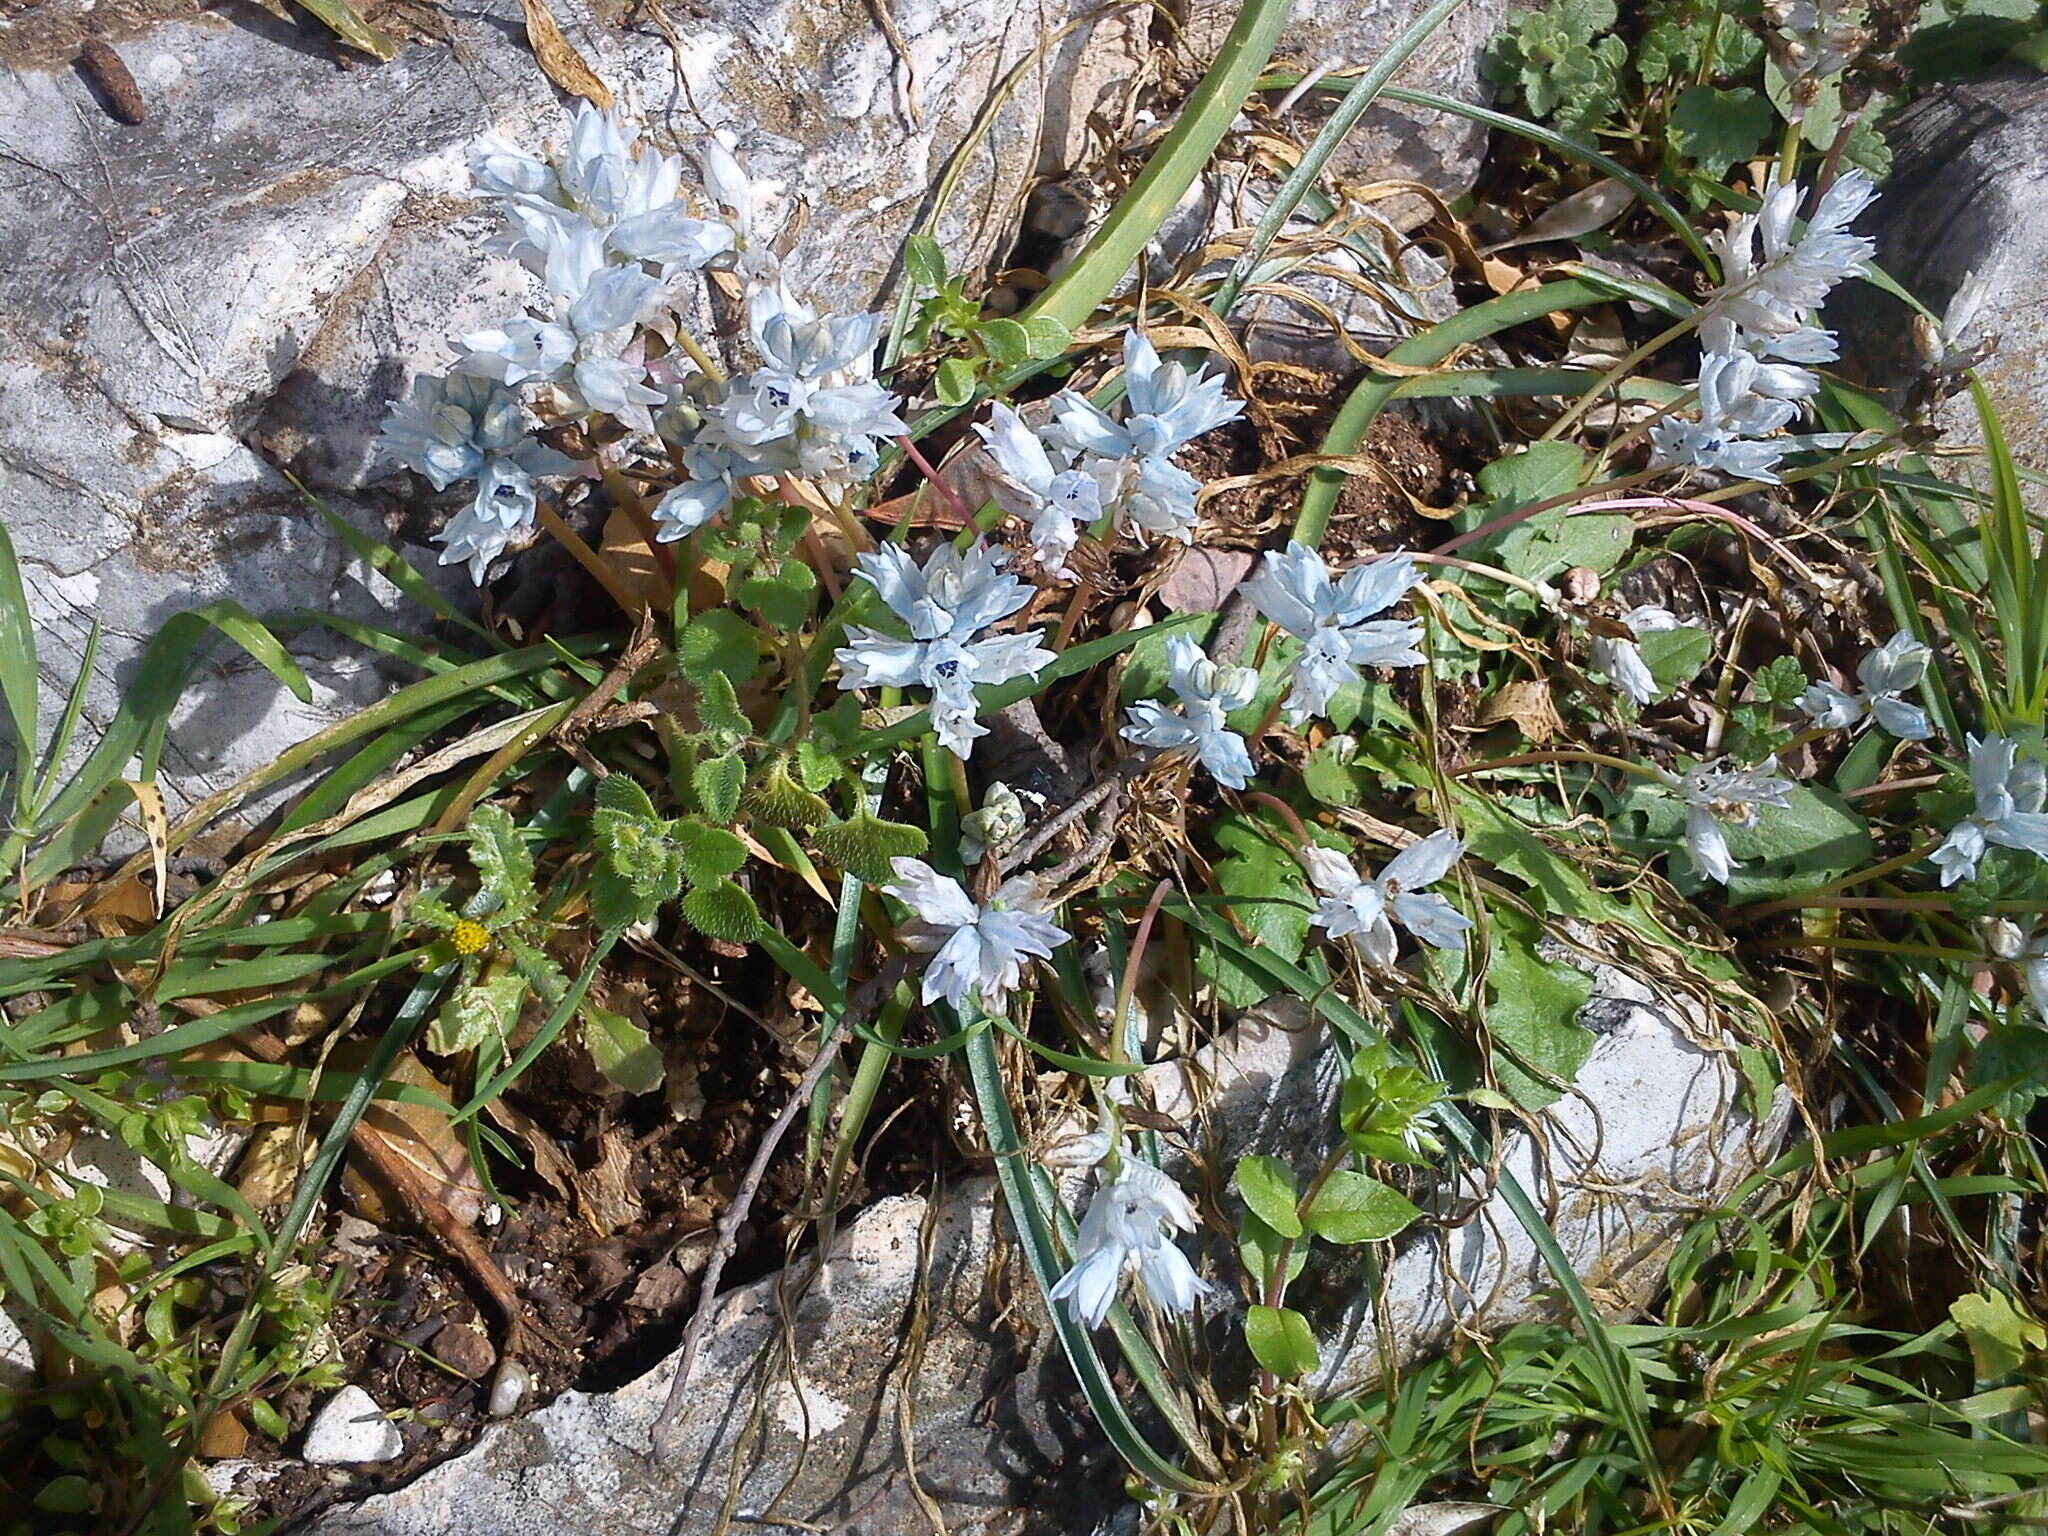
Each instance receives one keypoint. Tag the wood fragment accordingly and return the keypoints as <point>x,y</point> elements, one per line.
<point>558,57</point>
<point>118,92</point>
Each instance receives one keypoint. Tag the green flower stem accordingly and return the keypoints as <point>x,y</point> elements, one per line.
<point>1276,1280</point>
<point>1597,759</point>
<point>706,363</point>
<point>1614,376</point>
<point>1788,154</point>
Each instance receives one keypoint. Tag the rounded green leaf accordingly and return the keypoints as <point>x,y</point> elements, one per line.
<point>954,383</point>
<point>1267,1186</point>
<point>723,911</point>
<point>1352,1208</point>
<point>621,1050</point>
<point>718,782</point>
<point>709,853</point>
<point>925,261</point>
<point>1046,337</point>
<point>864,845</point>
<point>781,802</point>
<point>1007,342</point>
<point>1280,1340</point>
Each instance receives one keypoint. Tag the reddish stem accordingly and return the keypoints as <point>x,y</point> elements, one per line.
<point>945,492</point>
<point>1127,989</point>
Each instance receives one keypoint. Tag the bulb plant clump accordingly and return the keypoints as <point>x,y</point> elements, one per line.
<point>1020,706</point>
<point>1275,740</point>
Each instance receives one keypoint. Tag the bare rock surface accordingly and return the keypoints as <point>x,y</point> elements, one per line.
<point>1967,197</point>
<point>930,1300</point>
<point>350,1427</point>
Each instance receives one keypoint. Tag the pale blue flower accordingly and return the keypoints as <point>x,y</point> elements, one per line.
<point>596,307</point>
<point>1056,501</point>
<point>976,951</point>
<point>946,605</point>
<point>1199,726</point>
<point>1715,796</point>
<point>1735,416</point>
<point>1159,500</point>
<point>461,428</point>
<point>1886,673</point>
<point>1756,330</point>
<point>1166,408</point>
<point>709,490</point>
<point>2009,794</point>
<point>606,184</point>
<point>1774,274</point>
<point>743,199</point>
<point>1365,910</point>
<point>813,409</point>
<point>1129,1228</point>
<point>1131,459</point>
<point>450,426</point>
<point>1622,659</point>
<point>1333,618</point>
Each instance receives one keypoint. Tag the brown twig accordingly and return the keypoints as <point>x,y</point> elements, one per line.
<point>863,1002</point>
<point>1091,797</point>
<point>1096,846</point>
<point>582,720</point>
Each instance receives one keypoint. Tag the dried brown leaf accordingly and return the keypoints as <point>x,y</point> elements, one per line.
<point>605,1195</point>
<point>1527,703</point>
<point>1580,214</point>
<point>554,1165</point>
<point>422,1143</point>
<point>559,59</point>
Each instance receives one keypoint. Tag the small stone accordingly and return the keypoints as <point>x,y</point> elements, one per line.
<point>1202,578</point>
<point>225,1438</point>
<point>350,1427</point>
<point>510,1390</point>
<point>462,1347</point>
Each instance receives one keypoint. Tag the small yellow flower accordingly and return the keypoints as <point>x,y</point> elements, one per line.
<point>470,937</point>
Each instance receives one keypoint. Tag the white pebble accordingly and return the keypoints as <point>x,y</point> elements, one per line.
<point>509,1388</point>
<point>351,1427</point>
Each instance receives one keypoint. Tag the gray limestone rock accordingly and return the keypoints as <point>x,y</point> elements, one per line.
<point>1968,196</point>
<point>1392,141</point>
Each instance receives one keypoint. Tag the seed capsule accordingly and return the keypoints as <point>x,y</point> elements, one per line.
<point>117,88</point>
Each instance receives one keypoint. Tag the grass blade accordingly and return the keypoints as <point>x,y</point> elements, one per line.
<point>1207,115</point>
<point>18,680</point>
<point>1364,91</point>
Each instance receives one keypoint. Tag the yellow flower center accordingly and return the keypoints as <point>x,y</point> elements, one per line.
<point>470,937</point>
